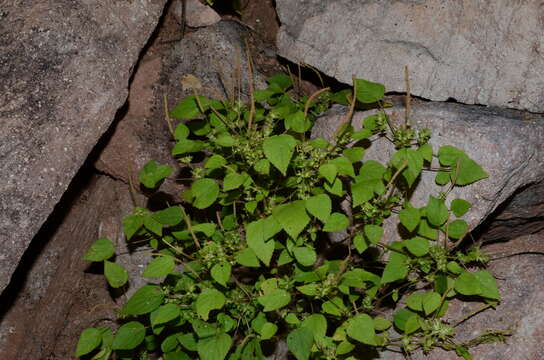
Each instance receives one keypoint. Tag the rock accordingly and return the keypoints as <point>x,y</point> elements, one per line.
<point>64,70</point>
<point>198,14</point>
<point>53,279</point>
<point>509,148</point>
<point>216,56</point>
<point>477,52</point>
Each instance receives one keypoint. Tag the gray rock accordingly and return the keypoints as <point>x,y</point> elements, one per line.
<point>507,146</point>
<point>477,52</point>
<point>64,71</point>
<point>216,56</point>
<point>198,14</point>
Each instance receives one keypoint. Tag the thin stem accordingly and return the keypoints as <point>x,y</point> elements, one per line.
<point>310,99</point>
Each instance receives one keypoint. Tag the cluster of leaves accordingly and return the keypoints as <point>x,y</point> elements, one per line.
<point>245,257</point>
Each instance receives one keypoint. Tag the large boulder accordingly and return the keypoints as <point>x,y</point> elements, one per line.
<point>477,52</point>
<point>64,73</point>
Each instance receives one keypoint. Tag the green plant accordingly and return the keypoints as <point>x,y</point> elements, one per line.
<point>246,256</point>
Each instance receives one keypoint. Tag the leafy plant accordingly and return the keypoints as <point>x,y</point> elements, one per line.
<point>245,255</point>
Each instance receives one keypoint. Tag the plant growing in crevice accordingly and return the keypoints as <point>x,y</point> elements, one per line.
<point>245,256</point>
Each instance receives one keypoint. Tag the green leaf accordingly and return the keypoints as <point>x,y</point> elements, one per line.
<point>207,229</point>
<point>361,134</point>
<point>361,192</point>
<point>454,268</point>
<point>89,340</point>
<point>334,306</point>
<point>214,348</point>
<point>463,351</point>
<point>414,162</point>
<point>268,330</point>
<point>406,320</point>
<point>459,207</point>
<point>431,302</point>
<point>208,300</point>
<point>143,301</point>
<point>468,171</point>
<point>468,284</point>
<point>335,188</point>
<point>396,268</point>
<point>448,155</point>
<point>234,180</point>
<point>306,256</point>
<point>205,192</point>
<point>129,336</point>
<point>354,154</point>
<point>317,323</point>
<point>225,140</point>
<point>274,299</point>
<point>164,314</point>
<point>282,80</point>
<point>373,233</point>
<point>426,230</point>
<point>371,170</point>
<point>278,150</point>
<point>361,328</point>
<point>488,284</point>
<point>415,301</point>
<point>247,257</point>
<point>215,162</point>
<point>410,218</point>
<point>170,216</point>
<point>257,233</point>
<point>151,174</point>
<point>299,342</point>
<point>116,274</point>
<point>319,206</point>
<point>159,267</point>
<point>457,228</point>
<point>292,217</point>
<point>221,272</point>
<point>368,92</point>
<point>101,249</point>
<point>262,167</point>
<point>328,171</point>
<point>442,178</point>
<point>153,225</point>
<point>426,151</point>
<point>187,108</point>
<point>436,211</point>
<point>336,222</point>
<point>381,323</point>
<point>418,246</point>
<point>310,289</point>
<point>298,122</point>
<point>181,132</point>
<point>343,166</point>
<point>360,243</point>
<point>186,146</point>
<point>131,225</point>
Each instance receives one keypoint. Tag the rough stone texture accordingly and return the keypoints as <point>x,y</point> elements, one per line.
<point>475,51</point>
<point>198,14</point>
<point>54,279</point>
<point>521,309</point>
<point>64,71</point>
<point>504,143</point>
<point>216,56</point>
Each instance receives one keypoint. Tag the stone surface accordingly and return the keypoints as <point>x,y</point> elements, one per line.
<point>216,56</point>
<point>474,51</point>
<point>504,143</point>
<point>64,71</point>
<point>198,14</point>
<point>54,278</point>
